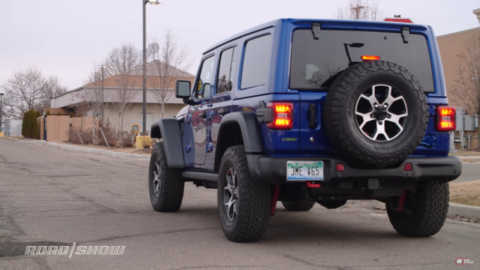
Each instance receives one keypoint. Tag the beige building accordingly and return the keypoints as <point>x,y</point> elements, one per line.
<point>451,46</point>
<point>127,90</point>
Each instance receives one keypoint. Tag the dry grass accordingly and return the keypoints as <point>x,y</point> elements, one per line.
<point>460,153</point>
<point>467,193</point>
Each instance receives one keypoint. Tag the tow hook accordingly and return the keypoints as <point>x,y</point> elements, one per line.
<point>276,192</point>
<point>313,185</point>
<point>401,201</point>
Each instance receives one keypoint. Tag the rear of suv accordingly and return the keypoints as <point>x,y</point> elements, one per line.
<point>312,111</point>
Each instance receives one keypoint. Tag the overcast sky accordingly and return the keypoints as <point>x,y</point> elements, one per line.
<point>65,38</point>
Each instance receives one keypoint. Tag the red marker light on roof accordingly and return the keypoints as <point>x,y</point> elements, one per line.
<point>446,118</point>
<point>398,19</point>
<point>370,58</point>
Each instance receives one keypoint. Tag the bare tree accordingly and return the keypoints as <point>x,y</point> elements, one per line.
<point>467,84</point>
<point>93,96</point>
<point>124,94</point>
<point>359,10</point>
<point>50,90</point>
<point>171,66</point>
<point>24,91</point>
<point>122,60</point>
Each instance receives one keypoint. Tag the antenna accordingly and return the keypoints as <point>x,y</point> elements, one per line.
<point>153,48</point>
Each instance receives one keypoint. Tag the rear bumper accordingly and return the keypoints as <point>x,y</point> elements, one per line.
<point>272,170</point>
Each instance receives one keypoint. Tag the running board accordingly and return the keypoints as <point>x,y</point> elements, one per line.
<point>205,176</point>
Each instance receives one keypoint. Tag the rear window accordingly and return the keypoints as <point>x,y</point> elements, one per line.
<point>315,63</point>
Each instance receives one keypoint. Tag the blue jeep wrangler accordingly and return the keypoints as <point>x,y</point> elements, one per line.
<point>313,111</point>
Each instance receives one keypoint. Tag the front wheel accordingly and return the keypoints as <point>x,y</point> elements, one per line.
<point>165,184</point>
<point>423,213</point>
<point>243,202</point>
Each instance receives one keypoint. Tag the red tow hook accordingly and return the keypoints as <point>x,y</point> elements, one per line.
<point>313,185</point>
<point>401,201</point>
<point>276,192</point>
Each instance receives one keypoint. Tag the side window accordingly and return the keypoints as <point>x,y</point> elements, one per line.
<point>225,71</point>
<point>256,62</point>
<point>204,83</point>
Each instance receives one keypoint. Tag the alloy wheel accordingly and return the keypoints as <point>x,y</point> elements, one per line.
<point>231,197</point>
<point>381,112</point>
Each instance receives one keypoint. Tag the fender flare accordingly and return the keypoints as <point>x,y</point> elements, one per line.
<point>169,130</point>
<point>250,130</point>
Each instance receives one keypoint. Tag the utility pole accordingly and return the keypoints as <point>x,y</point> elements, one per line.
<point>357,11</point>
<point>1,110</point>
<point>144,3</point>
<point>103,102</point>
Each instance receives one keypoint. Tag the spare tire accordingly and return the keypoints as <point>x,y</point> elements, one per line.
<point>376,113</point>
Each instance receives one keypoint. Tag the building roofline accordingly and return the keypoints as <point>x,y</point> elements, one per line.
<point>71,91</point>
<point>459,32</point>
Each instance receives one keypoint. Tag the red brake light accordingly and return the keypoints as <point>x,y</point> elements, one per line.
<point>370,58</point>
<point>282,115</point>
<point>340,167</point>
<point>446,118</point>
<point>402,20</point>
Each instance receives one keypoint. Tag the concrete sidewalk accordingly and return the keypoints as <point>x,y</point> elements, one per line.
<point>98,151</point>
<point>463,210</point>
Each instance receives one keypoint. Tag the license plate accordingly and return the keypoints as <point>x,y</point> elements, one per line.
<point>304,170</point>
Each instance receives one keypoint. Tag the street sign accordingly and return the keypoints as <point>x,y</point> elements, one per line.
<point>135,128</point>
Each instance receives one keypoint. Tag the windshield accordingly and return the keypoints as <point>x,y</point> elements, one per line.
<point>316,62</point>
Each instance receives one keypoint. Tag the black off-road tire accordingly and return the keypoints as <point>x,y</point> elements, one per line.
<point>170,191</point>
<point>424,212</point>
<point>254,199</point>
<point>340,119</point>
<point>298,206</point>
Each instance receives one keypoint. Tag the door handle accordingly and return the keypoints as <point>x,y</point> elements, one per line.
<point>223,111</point>
<point>313,115</point>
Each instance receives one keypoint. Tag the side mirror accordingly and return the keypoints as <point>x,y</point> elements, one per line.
<point>182,89</point>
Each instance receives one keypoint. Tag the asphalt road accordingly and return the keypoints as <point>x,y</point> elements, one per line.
<point>470,172</point>
<point>55,197</point>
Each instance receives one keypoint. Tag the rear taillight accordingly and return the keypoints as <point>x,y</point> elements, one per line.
<point>282,115</point>
<point>446,118</point>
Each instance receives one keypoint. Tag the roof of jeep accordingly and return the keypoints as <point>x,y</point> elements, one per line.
<point>279,21</point>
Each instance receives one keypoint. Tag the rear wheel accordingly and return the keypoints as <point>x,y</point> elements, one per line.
<point>243,202</point>
<point>423,213</point>
<point>297,206</point>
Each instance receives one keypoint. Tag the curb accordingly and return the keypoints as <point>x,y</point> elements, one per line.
<point>467,157</point>
<point>463,210</point>
<point>99,151</point>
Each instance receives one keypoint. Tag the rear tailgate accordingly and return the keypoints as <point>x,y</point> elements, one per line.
<point>315,64</point>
